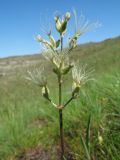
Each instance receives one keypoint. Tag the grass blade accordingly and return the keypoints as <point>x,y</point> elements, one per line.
<point>88,133</point>
<point>85,148</point>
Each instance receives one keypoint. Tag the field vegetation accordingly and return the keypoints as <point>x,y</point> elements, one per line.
<point>29,126</point>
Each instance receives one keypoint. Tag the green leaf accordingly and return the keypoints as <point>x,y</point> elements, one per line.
<point>66,69</point>
<point>85,148</point>
<point>56,71</point>
<point>64,158</point>
<point>64,27</point>
<point>88,133</point>
<point>57,43</point>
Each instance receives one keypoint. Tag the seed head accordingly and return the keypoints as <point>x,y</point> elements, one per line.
<point>37,76</point>
<point>80,77</point>
<point>82,25</point>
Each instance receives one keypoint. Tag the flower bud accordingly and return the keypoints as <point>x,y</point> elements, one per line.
<point>45,92</point>
<point>54,43</point>
<point>61,26</point>
<point>67,16</point>
<point>39,38</point>
<point>52,40</point>
<point>72,43</point>
<point>76,36</point>
<point>57,24</point>
<point>76,89</point>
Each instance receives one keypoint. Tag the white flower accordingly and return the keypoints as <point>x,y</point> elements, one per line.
<point>37,77</point>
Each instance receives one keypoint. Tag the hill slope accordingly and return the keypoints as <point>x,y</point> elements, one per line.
<point>102,55</point>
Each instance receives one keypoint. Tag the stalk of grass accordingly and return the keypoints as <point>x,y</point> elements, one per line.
<point>86,142</point>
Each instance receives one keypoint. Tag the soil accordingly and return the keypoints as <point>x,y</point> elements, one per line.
<point>42,154</point>
<point>35,154</point>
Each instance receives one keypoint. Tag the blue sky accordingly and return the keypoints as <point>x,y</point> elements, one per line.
<point>21,20</point>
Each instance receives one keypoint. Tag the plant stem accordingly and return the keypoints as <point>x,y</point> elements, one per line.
<point>61,119</point>
<point>60,110</point>
<point>61,39</point>
<point>68,102</point>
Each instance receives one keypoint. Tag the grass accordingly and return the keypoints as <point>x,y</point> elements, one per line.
<point>27,121</point>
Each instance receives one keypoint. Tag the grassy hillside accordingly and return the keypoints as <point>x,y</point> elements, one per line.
<point>29,124</point>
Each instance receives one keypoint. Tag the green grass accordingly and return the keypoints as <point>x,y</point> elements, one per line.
<point>28,121</point>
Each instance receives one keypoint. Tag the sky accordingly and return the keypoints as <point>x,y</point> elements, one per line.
<point>22,20</point>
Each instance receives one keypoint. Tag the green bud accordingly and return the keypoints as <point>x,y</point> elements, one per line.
<point>39,38</point>
<point>52,40</point>
<point>67,16</point>
<point>45,92</point>
<point>57,24</point>
<point>72,43</point>
<point>76,90</point>
<point>64,23</point>
<point>76,36</point>
<point>61,26</point>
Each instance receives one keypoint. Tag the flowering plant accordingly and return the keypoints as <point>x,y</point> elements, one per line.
<point>59,57</point>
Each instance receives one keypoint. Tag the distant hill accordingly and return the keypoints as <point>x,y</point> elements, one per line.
<point>103,55</point>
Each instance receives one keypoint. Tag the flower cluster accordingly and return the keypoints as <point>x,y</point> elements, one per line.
<point>60,57</point>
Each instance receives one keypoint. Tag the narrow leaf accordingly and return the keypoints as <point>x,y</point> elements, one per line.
<point>57,43</point>
<point>85,148</point>
<point>88,133</point>
<point>64,158</point>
